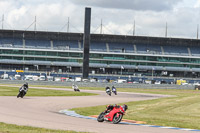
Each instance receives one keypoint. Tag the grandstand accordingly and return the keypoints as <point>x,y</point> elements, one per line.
<point>109,54</point>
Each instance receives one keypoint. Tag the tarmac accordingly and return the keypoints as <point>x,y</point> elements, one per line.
<point>44,112</point>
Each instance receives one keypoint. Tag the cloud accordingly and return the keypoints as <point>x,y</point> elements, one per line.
<point>197,4</point>
<point>150,16</point>
<point>51,15</point>
<point>142,5</point>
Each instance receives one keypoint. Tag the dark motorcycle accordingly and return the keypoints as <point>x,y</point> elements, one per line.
<point>108,91</point>
<point>77,89</point>
<point>114,116</point>
<point>22,92</point>
<point>114,90</point>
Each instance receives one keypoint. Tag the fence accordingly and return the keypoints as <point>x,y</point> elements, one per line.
<point>96,84</point>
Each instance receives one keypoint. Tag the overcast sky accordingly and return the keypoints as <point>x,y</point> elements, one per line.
<point>118,16</point>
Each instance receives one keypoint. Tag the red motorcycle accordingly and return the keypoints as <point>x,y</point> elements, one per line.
<point>113,115</point>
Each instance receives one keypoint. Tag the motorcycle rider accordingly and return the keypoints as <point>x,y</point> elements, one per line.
<point>108,91</point>
<point>114,90</point>
<point>125,107</point>
<point>25,86</point>
<point>75,87</point>
<point>107,88</point>
<point>23,90</point>
<point>110,107</point>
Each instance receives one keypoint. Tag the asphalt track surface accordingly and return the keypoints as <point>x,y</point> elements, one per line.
<point>43,112</point>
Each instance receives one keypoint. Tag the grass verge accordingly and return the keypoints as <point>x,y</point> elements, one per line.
<point>13,91</point>
<point>181,111</point>
<point>11,128</point>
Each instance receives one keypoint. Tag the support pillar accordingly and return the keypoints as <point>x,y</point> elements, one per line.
<point>86,43</point>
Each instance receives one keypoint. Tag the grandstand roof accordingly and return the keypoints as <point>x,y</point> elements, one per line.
<point>98,37</point>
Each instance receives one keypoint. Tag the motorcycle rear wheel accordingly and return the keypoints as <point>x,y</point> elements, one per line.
<point>20,94</point>
<point>117,118</point>
<point>100,118</point>
<point>109,93</point>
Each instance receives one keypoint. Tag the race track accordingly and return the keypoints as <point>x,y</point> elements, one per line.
<point>43,112</point>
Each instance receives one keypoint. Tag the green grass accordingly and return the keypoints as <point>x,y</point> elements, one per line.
<point>11,128</point>
<point>13,91</point>
<point>182,110</point>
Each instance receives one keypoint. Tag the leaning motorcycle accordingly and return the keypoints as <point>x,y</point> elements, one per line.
<point>76,88</point>
<point>22,92</point>
<point>108,92</point>
<point>114,91</point>
<point>114,116</point>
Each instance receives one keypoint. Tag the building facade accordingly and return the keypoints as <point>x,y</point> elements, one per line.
<point>109,54</point>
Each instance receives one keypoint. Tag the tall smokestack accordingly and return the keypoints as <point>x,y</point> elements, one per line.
<point>86,43</point>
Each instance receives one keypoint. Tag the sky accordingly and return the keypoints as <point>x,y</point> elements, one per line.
<point>182,17</point>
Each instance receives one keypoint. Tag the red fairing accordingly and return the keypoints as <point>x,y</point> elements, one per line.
<point>112,114</point>
<point>116,110</point>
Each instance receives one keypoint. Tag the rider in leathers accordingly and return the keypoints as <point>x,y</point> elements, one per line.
<point>25,86</point>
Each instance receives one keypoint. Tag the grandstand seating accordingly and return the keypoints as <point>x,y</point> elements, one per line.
<point>126,55</point>
<point>66,45</point>
<point>95,46</point>
<point>10,42</point>
<point>180,50</point>
<point>100,46</point>
<point>31,43</point>
<point>195,50</point>
<point>122,48</point>
<point>149,48</point>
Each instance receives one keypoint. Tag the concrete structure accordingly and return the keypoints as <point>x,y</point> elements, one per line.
<point>86,43</point>
<point>109,54</point>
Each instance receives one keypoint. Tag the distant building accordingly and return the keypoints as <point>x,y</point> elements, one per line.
<point>63,52</point>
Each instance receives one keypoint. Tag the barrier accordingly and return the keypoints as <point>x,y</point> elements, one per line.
<point>97,84</point>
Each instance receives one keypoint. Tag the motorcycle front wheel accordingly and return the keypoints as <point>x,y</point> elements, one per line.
<point>117,118</point>
<point>109,93</point>
<point>19,95</point>
<point>100,118</point>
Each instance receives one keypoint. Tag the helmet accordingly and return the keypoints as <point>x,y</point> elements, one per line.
<point>125,107</point>
<point>26,84</point>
